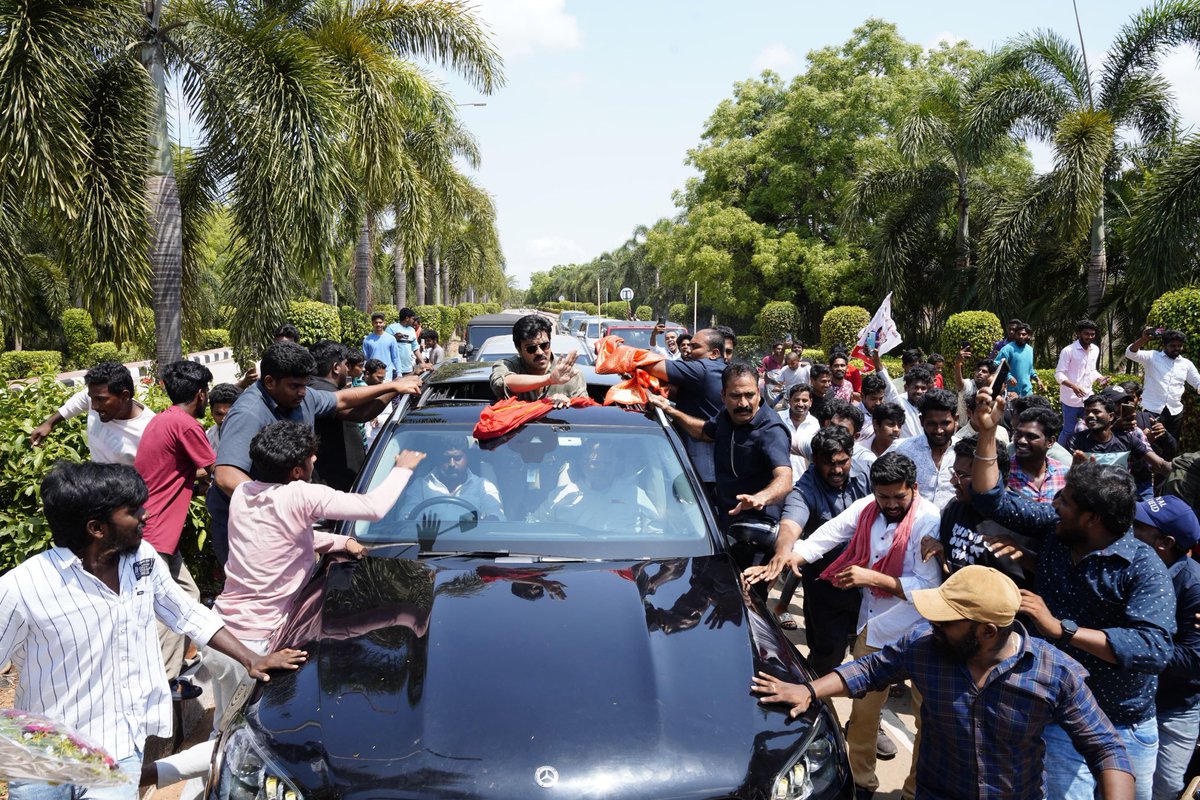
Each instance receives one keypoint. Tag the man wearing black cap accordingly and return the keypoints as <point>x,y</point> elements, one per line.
<point>989,690</point>
<point>1169,525</point>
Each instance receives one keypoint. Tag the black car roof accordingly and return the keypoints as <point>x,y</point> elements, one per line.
<point>481,372</point>
<point>450,412</point>
<point>506,318</point>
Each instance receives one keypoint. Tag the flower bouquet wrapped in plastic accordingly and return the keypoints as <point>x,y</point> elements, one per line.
<point>35,748</point>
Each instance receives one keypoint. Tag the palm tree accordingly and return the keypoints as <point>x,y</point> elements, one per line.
<point>1044,88</point>
<point>1164,250</point>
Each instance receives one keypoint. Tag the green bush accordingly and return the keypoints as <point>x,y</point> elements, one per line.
<point>1180,310</point>
<point>815,355</point>
<point>617,309</point>
<point>465,312</point>
<point>20,364</point>
<point>981,328</point>
<point>750,348</point>
<point>214,338</point>
<point>390,312</point>
<point>23,529</point>
<point>777,320</point>
<point>78,332</point>
<point>442,319</point>
<point>840,326</point>
<point>679,312</point>
<point>644,313</point>
<point>355,325</point>
<point>315,321</point>
<point>102,351</point>
<point>492,308</point>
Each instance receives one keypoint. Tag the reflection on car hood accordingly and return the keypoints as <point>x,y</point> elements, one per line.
<point>463,678</point>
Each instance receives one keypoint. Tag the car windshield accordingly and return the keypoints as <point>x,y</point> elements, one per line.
<point>551,488</point>
<point>478,334</point>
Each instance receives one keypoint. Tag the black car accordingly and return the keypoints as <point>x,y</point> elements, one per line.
<point>563,622</point>
<point>484,327</point>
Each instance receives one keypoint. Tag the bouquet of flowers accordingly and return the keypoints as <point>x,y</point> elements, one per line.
<point>34,748</point>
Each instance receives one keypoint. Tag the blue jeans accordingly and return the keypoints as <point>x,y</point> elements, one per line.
<point>131,766</point>
<point>1070,416</point>
<point>1177,734</point>
<point>1068,776</point>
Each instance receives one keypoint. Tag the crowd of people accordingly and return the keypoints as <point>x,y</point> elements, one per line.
<point>1027,570</point>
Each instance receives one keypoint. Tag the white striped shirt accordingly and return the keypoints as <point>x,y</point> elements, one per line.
<point>90,658</point>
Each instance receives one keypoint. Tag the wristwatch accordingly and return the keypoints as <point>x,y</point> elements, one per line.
<point>1069,629</point>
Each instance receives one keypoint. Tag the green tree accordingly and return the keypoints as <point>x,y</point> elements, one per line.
<point>1163,248</point>
<point>1044,88</point>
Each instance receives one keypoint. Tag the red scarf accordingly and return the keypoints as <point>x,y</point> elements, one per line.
<point>858,552</point>
<point>613,357</point>
<point>505,416</point>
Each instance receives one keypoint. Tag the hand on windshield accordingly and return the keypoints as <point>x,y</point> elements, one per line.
<point>772,690</point>
<point>409,459</point>
<point>771,570</point>
<point>280,659</point>
<point>564,368</point>
<point>410,384</point>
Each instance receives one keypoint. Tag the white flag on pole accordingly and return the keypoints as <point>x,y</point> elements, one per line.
<point>882,330</point>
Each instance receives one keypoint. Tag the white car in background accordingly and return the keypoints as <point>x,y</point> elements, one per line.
<point>500,347</point>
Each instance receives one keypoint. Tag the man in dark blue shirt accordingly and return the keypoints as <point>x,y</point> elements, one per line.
<point>283,393</point>
<point>1169,525</point>
<point>697,382</point>
<point>989,690</point>
<point>1103,597</point>
<point>752,462</point>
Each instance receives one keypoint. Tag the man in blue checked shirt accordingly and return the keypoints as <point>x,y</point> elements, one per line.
<point>1103,597</point>
<point>990,689</point>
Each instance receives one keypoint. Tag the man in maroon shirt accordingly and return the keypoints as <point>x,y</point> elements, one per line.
<point>173,454</point>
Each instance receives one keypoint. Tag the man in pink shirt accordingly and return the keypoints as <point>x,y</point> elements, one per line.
<point>271,547</point>
<point>173,453</point>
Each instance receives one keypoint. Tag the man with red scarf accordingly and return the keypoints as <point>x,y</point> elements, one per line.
<point>883,558</point>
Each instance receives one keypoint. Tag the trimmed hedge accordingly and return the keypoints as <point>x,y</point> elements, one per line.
<point>679,312</point>
<point>778,319</point>
<point>390,313</point>
<point>79,333</point>
<point>840,326</point>
<point>214,338</point>
<point>103,351</point>
<point>21,364</point>
<point>315,321</point>
<point>981,328</point>
<point>644,313</point>
<point>442,319</point>
<point>492,308</point>
<point>617,309</point>
<point>355,325</point>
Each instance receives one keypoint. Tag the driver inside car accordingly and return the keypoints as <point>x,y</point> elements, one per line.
<point>602,494</point>
<point>452,477</point>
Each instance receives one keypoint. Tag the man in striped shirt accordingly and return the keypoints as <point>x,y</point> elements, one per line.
<point>78,623</point>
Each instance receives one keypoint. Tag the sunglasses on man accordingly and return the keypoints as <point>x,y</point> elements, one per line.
<point>533,348</point>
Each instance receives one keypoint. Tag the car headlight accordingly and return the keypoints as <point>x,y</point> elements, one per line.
<point>813,769</point>
<point>249,773</point>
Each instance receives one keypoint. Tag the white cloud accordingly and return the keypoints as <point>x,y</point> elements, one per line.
<point>1180,68</point>
<point>521,27</point>
<point>775,57</point>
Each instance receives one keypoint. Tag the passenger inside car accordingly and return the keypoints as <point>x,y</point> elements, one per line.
<point>601,495</point>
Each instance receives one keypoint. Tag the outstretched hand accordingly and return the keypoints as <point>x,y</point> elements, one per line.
<point>772,569</point>
<point>747,502</point>
<point>564,368</point>
<point>773,690</point>
<point>287,658</point>
<point>989,411</point>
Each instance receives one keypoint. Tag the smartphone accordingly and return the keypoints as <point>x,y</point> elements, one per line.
<point>1128,410</point>
<point>965,344</point>
<point>871,341</point>
<point>662,320</point>
<point>1000,382</point>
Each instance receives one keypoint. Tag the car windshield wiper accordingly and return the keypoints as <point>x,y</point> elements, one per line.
<point>431,554</point>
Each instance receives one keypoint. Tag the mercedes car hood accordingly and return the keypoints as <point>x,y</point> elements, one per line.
<point>470,678</point>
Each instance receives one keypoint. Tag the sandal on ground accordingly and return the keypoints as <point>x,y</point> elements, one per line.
<point>787,621</point>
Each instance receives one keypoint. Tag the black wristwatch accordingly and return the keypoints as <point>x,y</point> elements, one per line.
<point>1069,629</point>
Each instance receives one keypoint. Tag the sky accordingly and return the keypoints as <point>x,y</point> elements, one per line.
<point>603,98</point>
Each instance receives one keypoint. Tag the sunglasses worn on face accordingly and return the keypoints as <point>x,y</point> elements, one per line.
<point>533,348</point>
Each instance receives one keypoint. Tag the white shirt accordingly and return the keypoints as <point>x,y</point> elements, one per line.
<point>1165,379</point>
<point>789,377</point>
<point>912,414</point>
<point>89,657</point>
<point>802,447</point>
<point>1079,366</point>
<point>889,617</point>
<point>112,442</point>
<point>804,432</point>
<point>933,480</point>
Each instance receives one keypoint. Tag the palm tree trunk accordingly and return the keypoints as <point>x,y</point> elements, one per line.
<point>362,267</point>
<point>328,290</point>
<point>437,276</point>
<point>419,279</point>
<point>1097,270</point>
<point>166,244</point>
<point>470,294</point>
<point>962,242</point>
<point>400,275</point>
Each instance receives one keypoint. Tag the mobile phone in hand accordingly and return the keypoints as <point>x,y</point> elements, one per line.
<point>1000,382</point>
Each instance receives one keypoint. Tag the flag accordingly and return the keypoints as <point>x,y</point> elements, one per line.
<point>887,337</point>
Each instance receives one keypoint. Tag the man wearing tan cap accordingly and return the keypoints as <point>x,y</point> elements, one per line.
<point>989,691</point>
